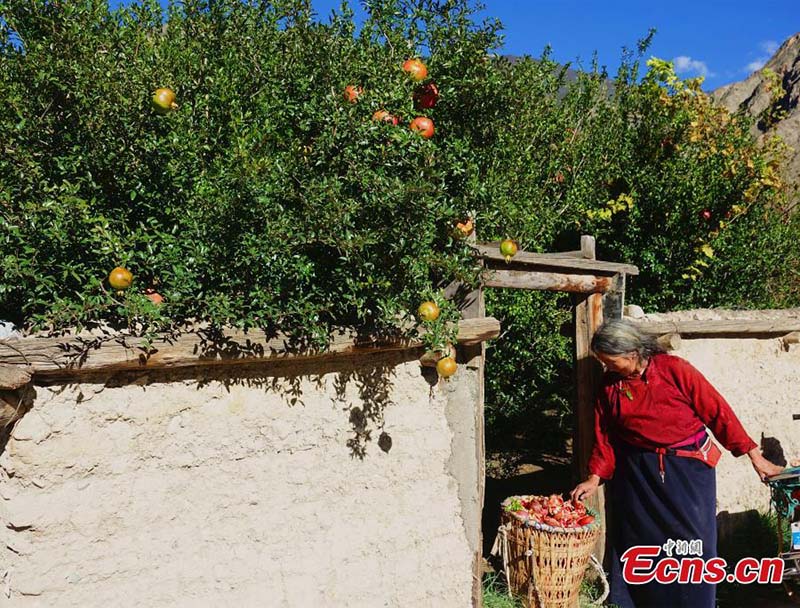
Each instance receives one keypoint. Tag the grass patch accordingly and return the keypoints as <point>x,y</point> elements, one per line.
<point>495,593</point>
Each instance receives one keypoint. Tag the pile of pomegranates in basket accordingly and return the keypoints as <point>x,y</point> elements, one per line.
<point>550,510</point>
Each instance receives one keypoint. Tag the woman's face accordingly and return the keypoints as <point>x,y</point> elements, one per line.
<point>624,365</point>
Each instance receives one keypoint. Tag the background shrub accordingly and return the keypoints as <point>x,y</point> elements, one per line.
<point>268,200</point>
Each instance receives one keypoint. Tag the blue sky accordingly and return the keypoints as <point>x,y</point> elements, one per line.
<point>722,40</point>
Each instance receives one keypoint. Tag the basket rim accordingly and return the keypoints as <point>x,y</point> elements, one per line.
<point>528,523</point>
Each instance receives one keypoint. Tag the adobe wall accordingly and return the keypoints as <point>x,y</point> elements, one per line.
<point>355,486</point>
<point>760,378</point>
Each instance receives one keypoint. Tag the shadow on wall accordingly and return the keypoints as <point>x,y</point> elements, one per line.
<point>372,375</point>
<point>773,450</point>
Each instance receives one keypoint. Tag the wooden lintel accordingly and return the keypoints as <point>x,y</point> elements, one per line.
<point>72,355</point>
<point>491,252</point>
<point>547,281</point>
<point>730,327</point>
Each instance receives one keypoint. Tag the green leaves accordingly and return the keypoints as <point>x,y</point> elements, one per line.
<point>265,199</point>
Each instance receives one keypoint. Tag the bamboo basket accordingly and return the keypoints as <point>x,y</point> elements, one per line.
<point>544,565</point>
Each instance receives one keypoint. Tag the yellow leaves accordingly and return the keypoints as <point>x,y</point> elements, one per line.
<point>770,177</point>
<point>662,71</point>
<point>624,202</point>
<point>706,254</point>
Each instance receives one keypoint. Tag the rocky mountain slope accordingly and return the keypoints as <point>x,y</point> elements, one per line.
<point>776,112</point>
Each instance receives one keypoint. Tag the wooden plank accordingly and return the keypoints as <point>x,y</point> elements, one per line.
<point>563,254</point>
<point>724,327</point>
<point>546,281</point>
<point>76,354</point>
<point>577,265</point>
<point>549,254</point>
<point>791,338</point>
<point>669,341</point>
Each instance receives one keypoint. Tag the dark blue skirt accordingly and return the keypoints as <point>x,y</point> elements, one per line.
<point>645,511</point>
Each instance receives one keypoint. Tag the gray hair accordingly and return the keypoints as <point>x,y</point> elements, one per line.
<point>620,336</point>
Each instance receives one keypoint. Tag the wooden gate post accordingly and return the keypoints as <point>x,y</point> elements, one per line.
<point>588,316</point>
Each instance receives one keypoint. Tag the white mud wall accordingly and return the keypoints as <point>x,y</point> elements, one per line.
<point>228,492</point>
<point>761,381</point>
<point>760,378</point>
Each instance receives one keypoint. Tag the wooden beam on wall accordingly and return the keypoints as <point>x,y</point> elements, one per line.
<point>789,339</point>
<point>73,355</point>
<point>731,327</point>
<point>669,342</point>
<point>546,281</point>
<point>14,376</point>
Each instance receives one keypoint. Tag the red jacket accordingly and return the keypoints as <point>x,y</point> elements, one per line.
<point>670,402</point>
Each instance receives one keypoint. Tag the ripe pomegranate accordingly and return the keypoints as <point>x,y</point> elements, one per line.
<point>446,367</point>
<point>422,125</point>
<point>352,93</point>
<point>164,101</point>
<point>428,311</point>
<point>415,69</point>
<point>426,96</point>
<point>152,295</point>
<point>705,214</point>
<point>384,116</point>
<point>508,248</point>
<point>585,520</point>
<point>432,357</point>
<point>120,278</point>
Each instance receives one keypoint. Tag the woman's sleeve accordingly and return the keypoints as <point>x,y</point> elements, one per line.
<point>712,409</point>
<point>602,461</point>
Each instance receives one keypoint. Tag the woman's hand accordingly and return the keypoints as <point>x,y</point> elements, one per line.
<point>586,488</point>
<point>763,467</point>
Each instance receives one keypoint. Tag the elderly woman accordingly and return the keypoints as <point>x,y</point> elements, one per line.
<point>652,447</point>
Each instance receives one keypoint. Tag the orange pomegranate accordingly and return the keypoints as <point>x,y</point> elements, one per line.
<point>164,101</point>
<point>422,125</point>
<point>415,69</point>
<point>446,367</point>
<point>120,278</point>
